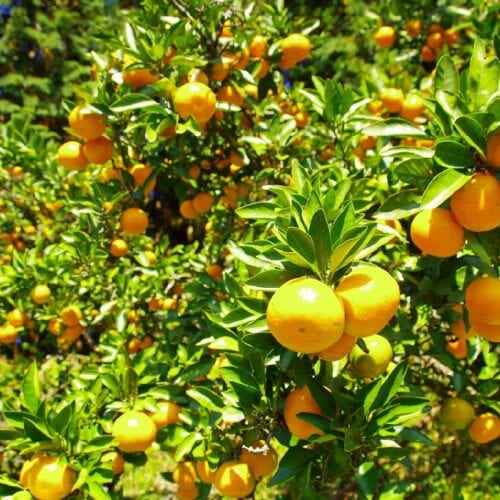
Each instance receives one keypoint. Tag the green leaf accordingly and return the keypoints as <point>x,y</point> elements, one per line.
<point>397,491</point>
<point>471,132</point>
<point>414,172</point>
<point>400,205</point>
<point>97,444</point>
<point>206,398</point>
<point>186,445</point>
<point>301,243</point>
<point>484,76</point>
<point>453,154</point>
<point>131,102</point>
<point>31,389</point>
<point>36,429</point>
<point>269,280</point>
<point>63,418</point>
<point>393,127</point>
<point>390,386</point>
<point>366,477</point>
<point>442,187</point>
<point>447,75</point>
<point>320,233</point>
<point>451,104</point>
<point>414,436</point>
<point>346,252</point>
<point>259,210</point>
<point>343,222</point>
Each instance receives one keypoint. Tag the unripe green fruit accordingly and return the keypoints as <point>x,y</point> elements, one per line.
<point>456,413</point>
<point>376,361</point>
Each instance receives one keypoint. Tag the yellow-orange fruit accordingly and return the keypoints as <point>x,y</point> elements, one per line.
<point>371,298</point>
<point>141,172</point>
<point>412,107</point>
<point>486,330</point>
<point>485,428</point>
<point>50,479</point>
<point>482,299</point>
<point>134,221</point>
<point>458,348</point>
<point>118,248</point>
<point>295,48</point>
<point>385,36</point>
<point>134,431</point>
<point>184,474</point>
<point>301,401</point>
<point>98,151</point>
<point>493,149</point>
<point>167,414</point>
<point>260,457</point>
<point>476,206</point>
<point>138,78</point>
<point>231,94</point>
<point>205,472</point>
<point>195,99</point>
<point>436,232</point>
<point>187,210</point>
<point>86,125</point>
<point>392,99</point>
<point>258,46</point>
<point>71,315</point>
<point>458,326</point>
<point>339,349</point>
<point>203,202</point>
<point>70,155</point>
<point>234,479</point>
<point>305,315</point>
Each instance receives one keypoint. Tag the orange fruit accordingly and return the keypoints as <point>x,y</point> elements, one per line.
<point>485,428</point>
<point>134,431</point>
<point>16,318</point>
<point>375,361</point>
<point>118,247</point>
<point>134,345</point>
<point>203,202</point>
<point>205,473</point>
<point>385,36</point>
<point>412,107</point>
<point>194,171</point>
<point>167,414</point>
<point>258,46</point>
<point>71,315</point>
<point>493,149</point>
<point>339,349</point>
<point>219,69</point>
<point>234,479</point>
<point>458,348</point>
<point>138,78</point>
<point>435,40</point>
<point>188,493</point>
<point>146,342</point>
<point>71,333</point>
<point>429,226</point>
<point>456,413</point>
<point>260,457</point>
<point>427,54</point>
<point>231,94</point>
<point>168,132</point>
<point>195,99</point>
<point>8,334</point>
<point>370,296</point>
<point>98,151</point>
<point>27,466</point>
<point>214,271</point>
<point>301,401</point>
<point>486,330</point>
<point>301,119</point>
<point>169,55</point>
<point>86,125</point>
<point>50,479</point>
<point>482,299</point>
<point>70,155</point>
<point>141,173</point>
<point>367,142</point>
<point>451,36</point>
<point>294,49</point>
<point>117,461</point>
<point>458,326</point>
<point>305,315</point>
<point>413,27</point>
<point>375,107</point>
<point>392,99</point>
<point>476,206</point>
<point>239,60</point>
<point>184,474</point>
<point>187,210</point>
<point>435,28</point>
<point>134,221</point>
<point>263,68</point>
<point>41,294</point>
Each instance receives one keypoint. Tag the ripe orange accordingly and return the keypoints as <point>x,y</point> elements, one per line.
<point>138,78</point>
<point>134,431</point>
<point>234,479</point>
<point>41,294</point>
<point>98,151</point>
<point>134,221</point>
<point>263,68</point>
<point>260,457</point>
<point>376,361</point>
<point>195,99</point>
<point>458,326</point>
<point>214,271</point>
<point>27,466</point>
<point>167,414</point>
<point>134,345</point>
<point>118,248</point>
<point>456,413</point>
<point>428,228</point>
<point>203,202</point>
<point>451,36</point>
<point>86,125</point>
<point>367,142</point>
<point>49,479</point>
<point>8,334</point>
<point>486,330</point>
<point>188,493</point>
<point>258,46</point>
<point>187,210</point>
<point>205,472</point>
<point>485,428</point>
<point>339,349</point>
<point>371,298</point>
<point>392,99</point>
<point>184,474</point>
<point>294,49</point>
<point>435,40</point>
<point>71,333</point>
<point>219,69</point>
<point>16,318</point>
<point>413,27</point>
<point>493,149</point>
<point>412,107</point>
<point>427,54</point>
<point>482,298</point>
<point>141,173</point>
<point>458,348</point>
<point>117,461</point>
<point>70,155</point>
<point>476,206</point>
<point>71,315</point>
<point>305,315</point>
<point>301,401</point>
<point>385,36</point>
<point>231,94</point>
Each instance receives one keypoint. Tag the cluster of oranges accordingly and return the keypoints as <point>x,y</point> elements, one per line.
<point>475,207</point>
